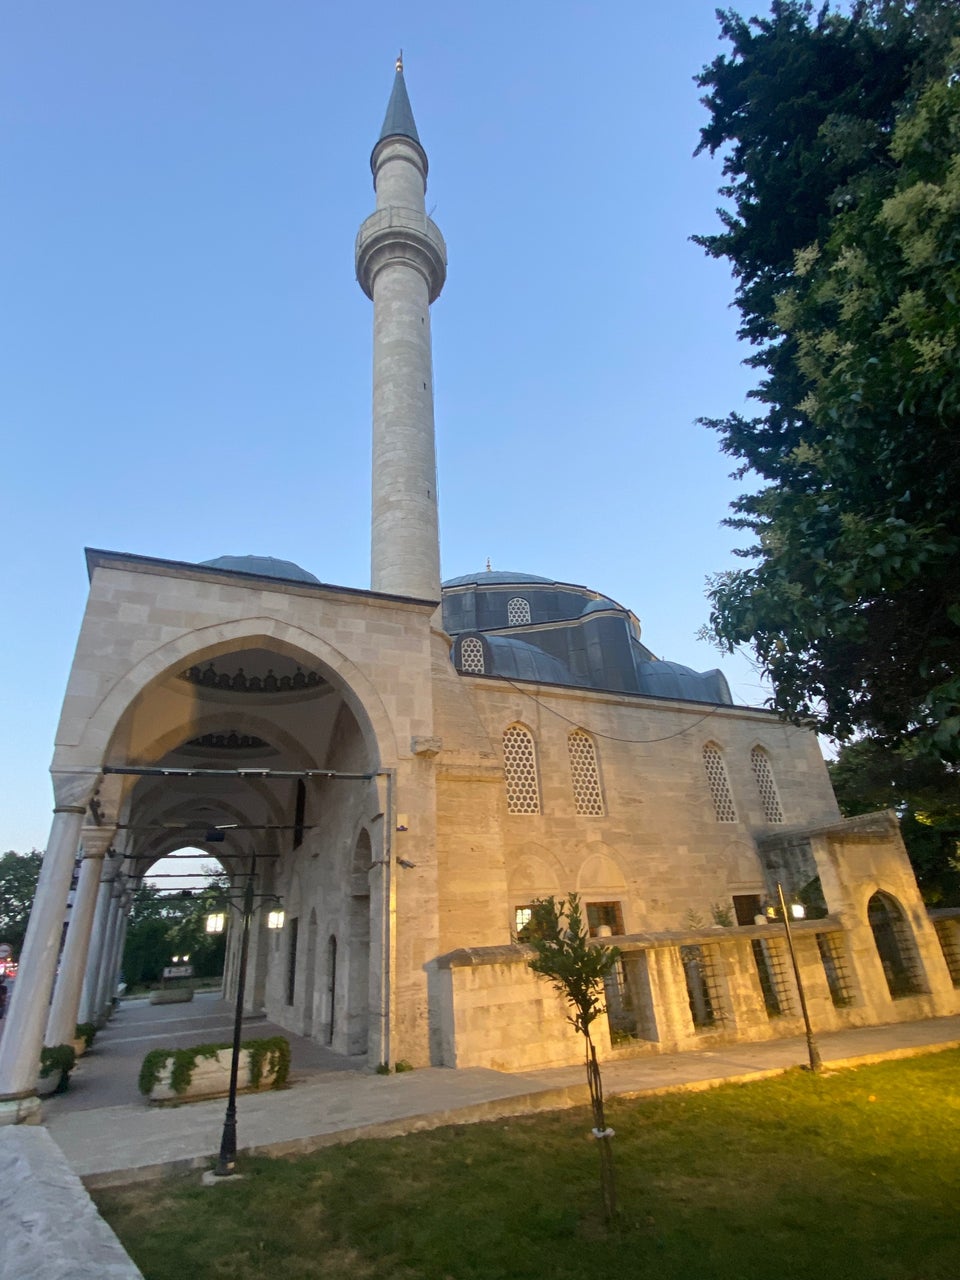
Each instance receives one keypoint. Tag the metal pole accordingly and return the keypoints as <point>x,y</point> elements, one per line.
<point>816,1062</point>
<point>227,1161</point>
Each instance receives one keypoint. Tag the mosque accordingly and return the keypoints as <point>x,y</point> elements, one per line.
<point>407,768</point>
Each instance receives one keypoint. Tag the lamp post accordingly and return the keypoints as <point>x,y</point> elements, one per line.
<point>816,1062</point>
<point>216,922</point>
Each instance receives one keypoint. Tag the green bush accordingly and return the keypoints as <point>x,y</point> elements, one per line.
<point>60,1058</point>
<point>85,1032</point>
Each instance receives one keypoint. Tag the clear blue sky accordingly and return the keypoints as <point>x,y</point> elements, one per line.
<point>185,354</point>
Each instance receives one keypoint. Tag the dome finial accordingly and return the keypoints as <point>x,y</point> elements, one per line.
<point>400,61</point>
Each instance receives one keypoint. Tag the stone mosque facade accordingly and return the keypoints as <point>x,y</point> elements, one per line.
<point>407,768</point>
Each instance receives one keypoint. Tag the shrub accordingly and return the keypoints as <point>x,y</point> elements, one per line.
<point>60,1058</point>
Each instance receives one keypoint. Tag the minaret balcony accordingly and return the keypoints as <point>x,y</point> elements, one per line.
<point>399,235</point>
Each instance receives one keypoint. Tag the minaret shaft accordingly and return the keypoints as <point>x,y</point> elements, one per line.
<point>401,266</point>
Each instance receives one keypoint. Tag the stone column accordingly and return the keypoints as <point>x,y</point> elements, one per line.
<point>62,1022</point>
<point>27,1015</point>
<point>87,1011</point>
<point>120,904</point>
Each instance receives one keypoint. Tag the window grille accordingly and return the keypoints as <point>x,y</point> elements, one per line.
<point>584,774</point>
<point>521,922</point>
<point>518,612</point>
<point>520,770</point>
<point>771,970</point>
<point>600,914</point>
<point>471,655</point>
<point>772,810</point>
<point>830,946</point>
<point>716,772</point>
<point>701,974</point>
<point>895,946</point>
<point>948,934</point>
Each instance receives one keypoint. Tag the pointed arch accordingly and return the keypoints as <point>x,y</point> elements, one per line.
<point>719,783</point>
<point>585,773</point>
<point>766,784</point>
<point>520,774</point>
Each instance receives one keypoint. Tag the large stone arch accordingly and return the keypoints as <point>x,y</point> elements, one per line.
<point>358,692</point>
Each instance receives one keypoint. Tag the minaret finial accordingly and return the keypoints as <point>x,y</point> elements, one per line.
<point>400,60</point>
<point>489,568</point>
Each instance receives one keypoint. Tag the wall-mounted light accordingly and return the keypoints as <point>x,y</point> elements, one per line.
<point>275,919</point>
<point>216,922</point>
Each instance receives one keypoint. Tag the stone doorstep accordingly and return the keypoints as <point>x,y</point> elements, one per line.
<point>49,1226</point>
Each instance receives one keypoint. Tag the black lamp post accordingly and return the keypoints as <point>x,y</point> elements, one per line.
<point>816,1062</point>
<point>227,1159</point>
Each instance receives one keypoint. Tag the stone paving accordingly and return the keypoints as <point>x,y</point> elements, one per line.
<point>111,1136</point>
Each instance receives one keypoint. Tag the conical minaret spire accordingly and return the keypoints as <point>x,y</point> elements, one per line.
<point>401,266</point>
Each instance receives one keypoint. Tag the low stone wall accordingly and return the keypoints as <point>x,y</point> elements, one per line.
<point>49,1226</point>
<point>495,1012</point>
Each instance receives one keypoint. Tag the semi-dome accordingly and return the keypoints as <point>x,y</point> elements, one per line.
<point>261,567</point>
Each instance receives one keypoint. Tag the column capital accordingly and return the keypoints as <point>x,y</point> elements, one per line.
<point>73,791</point>
<point>95,841</point>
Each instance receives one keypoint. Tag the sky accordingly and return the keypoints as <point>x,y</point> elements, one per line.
<point>185,354</point>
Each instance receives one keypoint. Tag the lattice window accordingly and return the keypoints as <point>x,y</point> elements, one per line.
<point>716,772</point>
<point>584,774</point>
<point>518,612</point>
<point>701,972</point>
<point>830,946</point>
<point>760,761</point>
<point>471,655</point>
<point>520,770</point>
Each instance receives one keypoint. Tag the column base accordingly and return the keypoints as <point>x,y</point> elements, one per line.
<point>20,1110</point>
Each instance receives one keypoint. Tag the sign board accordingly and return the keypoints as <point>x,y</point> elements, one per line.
<point>178,971</point>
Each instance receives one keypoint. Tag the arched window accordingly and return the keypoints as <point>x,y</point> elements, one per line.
<point>895,946</point>
<point>716,772</point>
<point>520,770</point>
<point>471,656</point>
<point>760,763</point>
<point>584,774</point>
<point>518,611</point>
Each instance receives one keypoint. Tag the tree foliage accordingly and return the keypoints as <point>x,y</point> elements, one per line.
<point>925,793</point>
<point>164,925</point>
<point>19,873</point>
<point>841,143</point>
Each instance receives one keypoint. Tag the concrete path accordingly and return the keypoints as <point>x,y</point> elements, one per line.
<point>111,1136</point>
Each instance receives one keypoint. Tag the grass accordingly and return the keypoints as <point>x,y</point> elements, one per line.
<point>854,1175</point>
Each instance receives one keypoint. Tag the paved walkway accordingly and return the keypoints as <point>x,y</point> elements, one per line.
<point>111,1136</point>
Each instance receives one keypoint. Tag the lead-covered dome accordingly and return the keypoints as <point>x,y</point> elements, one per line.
<point>524,626</point>
<point>261,567</point>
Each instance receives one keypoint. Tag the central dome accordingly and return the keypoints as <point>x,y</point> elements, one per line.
<point>486,577</point>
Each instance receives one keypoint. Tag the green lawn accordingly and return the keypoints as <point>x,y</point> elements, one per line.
<point>855,1174</point>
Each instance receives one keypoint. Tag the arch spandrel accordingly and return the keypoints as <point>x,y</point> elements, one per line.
<point>98,731</point>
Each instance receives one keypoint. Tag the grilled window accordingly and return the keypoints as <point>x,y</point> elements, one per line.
<point>716,772</point>
<point>520,770</point>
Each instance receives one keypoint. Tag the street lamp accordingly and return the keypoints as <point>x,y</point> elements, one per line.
<point>216,923</point>
<point>797,912</point>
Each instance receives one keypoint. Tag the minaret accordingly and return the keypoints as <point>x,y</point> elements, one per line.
<point>401,266</point>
